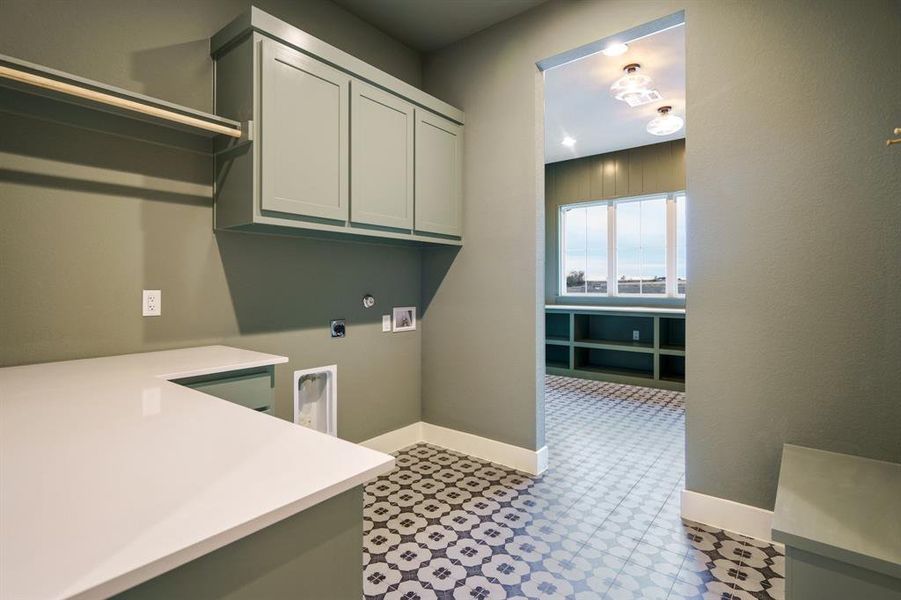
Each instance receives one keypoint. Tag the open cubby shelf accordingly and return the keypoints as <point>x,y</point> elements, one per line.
<point>556,327</point>
<point>621,346</point>
<point>614,362</point>
<point>672,333</point>
<point>614,329</point>
<point>672,368</point>
<point>591,343</point>
<point>556,356</point>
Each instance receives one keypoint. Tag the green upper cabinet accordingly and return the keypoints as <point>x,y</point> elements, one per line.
<point>331,145</point>
<point>439,175</point>
<point>381,147</point>
<point>304,134</point>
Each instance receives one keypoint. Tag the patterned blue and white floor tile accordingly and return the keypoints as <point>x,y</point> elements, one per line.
<point>601,523</point>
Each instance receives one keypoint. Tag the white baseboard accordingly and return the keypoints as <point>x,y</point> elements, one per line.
<point>533,462</point>
<point>397,439</point>
<point>522,459</point>
<point>701,508</point>
<point>725,514</point>
<point>541,460</point>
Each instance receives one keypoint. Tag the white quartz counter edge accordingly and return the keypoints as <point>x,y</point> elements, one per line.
<point>79,450</point>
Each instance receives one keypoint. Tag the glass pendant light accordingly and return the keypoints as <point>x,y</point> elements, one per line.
<point>665,123</point>
<point>632,87</point>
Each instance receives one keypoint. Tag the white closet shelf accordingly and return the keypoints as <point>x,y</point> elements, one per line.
<point>36,79</point>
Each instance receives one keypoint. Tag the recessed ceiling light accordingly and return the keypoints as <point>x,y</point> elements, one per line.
<point>634,88</point>
<point>615,49</point>
<point>569,142</point>
<point>665,123</point>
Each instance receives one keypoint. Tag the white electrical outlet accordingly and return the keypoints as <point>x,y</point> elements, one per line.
<point>152,304</point>
<point>386,322</point>
<point>635,335</point>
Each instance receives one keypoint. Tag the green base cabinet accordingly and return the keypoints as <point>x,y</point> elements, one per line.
<point>316,554</point>
<point>810,576</point>
<point>253,388</point>
<point>839,516</point>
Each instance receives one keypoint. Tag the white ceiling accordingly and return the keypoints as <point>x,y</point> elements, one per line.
<point>578,102</point>
<point>428,25</point>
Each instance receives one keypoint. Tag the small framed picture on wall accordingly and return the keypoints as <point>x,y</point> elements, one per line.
<point>404,318</point>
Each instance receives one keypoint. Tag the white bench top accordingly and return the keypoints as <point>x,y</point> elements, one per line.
<point>844,507</point>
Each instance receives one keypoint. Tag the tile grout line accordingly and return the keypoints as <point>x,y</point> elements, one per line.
<point>598,528</point>
<point>626,561</point>
<point>631,410</point>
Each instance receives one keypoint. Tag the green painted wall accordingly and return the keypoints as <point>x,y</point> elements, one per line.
<point>795,252</point>
<point>87,220</point>
<point>633,172</point>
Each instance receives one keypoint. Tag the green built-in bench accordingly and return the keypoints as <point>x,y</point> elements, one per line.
<point>839,517</point>
<point>639,346</point>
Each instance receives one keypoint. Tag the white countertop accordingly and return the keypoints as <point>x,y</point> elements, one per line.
<point>111,475</point>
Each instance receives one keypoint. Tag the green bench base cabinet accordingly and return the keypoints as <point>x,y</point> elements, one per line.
<point>839,517</point>
<point>253,388</point>
<point>333,147</point>
<point>810,576</point>
<point>592,343</point>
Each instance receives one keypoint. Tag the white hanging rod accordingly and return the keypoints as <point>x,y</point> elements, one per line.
<point>115,101</point>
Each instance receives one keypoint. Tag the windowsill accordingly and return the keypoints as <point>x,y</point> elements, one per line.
<point>609,309</point>
<point>636,301</point>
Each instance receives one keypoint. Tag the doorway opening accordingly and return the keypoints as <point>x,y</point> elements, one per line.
<point>616,282</point>
<point>616,267</point>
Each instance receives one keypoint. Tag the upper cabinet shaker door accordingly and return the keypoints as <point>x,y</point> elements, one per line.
<point>304,135</point>
<point>381,150</point>
<point>439,174</point>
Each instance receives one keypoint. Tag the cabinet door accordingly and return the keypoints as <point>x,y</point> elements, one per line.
<point>439,174</point>
<point>381,150</point>
<point>304,135</point>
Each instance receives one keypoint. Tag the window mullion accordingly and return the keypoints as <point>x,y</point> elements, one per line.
<point>585,263</point>
<point>611,249</point>
<point>641,242</point>
<point>561,252</point>
<point>671,285</point>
